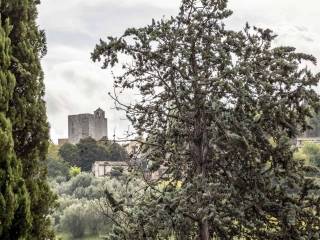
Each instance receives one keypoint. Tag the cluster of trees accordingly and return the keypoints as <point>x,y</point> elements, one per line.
<point>78,213</point>
<point>88,150</point>
<point>218,108</point>
<point>81,203</point>
<point>82,218</point>
<point>69,160</point>
<point>25,197</point>
<point>82,206</point>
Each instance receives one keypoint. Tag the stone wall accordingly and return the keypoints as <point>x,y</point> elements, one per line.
<point>87,125</point>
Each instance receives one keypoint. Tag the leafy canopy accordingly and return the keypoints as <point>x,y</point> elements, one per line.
<point>218,109</point>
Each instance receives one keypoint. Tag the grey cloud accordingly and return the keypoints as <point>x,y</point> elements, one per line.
<point>91,88</point>
<point>302,28</point>
<point>112,18</point>
<point>88,23</point>
<point>85,85</point>
<point>75,39</point>
<point>308,39</point>
<point>75,84</point>
<point>58,102</point>
<point>69,75</point>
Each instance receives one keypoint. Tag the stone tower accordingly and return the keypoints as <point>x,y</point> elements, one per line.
<point>87,125</point>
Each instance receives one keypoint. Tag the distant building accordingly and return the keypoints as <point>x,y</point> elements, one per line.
<point>102,169</point>
<point>301,141</point>
<point>87,125</point>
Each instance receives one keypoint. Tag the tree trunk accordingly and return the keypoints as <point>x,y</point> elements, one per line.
<point>204,230</point>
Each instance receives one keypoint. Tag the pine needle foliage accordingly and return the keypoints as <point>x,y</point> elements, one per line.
<point>219,109</point>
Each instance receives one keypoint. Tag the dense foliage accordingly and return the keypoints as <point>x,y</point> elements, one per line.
<point>14,199</point>
<point>88,150</point>
<point>82,206</point>
<point>80,212</point>
<point>55,164</point>
<point>69,153</point>
<point>23,108</point>
<point>218,109</point>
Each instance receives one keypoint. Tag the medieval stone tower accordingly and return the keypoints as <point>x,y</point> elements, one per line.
<point>87,125</point>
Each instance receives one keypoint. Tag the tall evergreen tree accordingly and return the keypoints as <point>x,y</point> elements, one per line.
<point>27,110</point>
<point>218,108</point>
<point>14,198</point>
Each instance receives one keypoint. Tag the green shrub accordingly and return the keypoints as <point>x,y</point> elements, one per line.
<point>74,171</point>
<point>73,220</point>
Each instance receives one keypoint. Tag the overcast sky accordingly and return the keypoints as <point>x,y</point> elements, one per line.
<point>76,85</point>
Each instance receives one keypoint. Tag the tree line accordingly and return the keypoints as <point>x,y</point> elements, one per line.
<point>88,151</point>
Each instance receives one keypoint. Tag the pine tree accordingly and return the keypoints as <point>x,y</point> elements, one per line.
<point>14,198</point>
<point>27,110</point>
<point>218,109</point>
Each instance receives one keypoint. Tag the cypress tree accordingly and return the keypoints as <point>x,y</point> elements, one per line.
<point>14,199</point>
<point>27,110</point>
